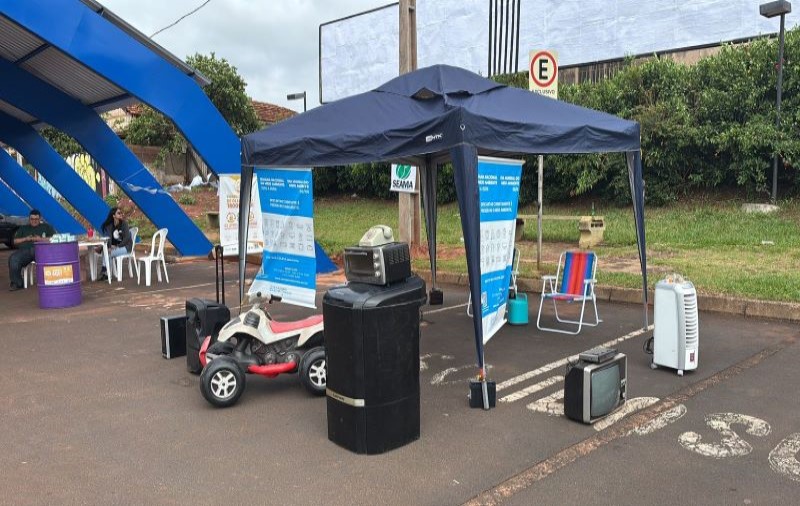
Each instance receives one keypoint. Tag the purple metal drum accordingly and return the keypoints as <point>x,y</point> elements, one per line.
<point>58,274</point>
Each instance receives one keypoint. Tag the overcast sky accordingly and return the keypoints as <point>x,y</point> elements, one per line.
<point>273,43</point>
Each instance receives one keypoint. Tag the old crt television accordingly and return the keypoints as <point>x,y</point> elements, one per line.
<point>594,389</point>
<point>377,260</point>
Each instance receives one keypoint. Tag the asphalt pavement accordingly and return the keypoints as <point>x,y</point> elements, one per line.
<point>93,414</point>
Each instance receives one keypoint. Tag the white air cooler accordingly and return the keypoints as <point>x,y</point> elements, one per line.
<point>676,325</point>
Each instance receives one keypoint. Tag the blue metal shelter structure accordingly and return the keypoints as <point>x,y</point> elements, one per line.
<point>55,170</point>
<point>438,114</point>
<point>26,187</point>
<point>10,203</point>
<point>65,61</point>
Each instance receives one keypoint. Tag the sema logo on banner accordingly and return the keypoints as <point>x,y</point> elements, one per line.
<point>498,191</point>
<point>404,178</point>
<point>289,265</point>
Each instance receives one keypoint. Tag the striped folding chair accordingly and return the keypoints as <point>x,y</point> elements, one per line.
<point>574,282</point>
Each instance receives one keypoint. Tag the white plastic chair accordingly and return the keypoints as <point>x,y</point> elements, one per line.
<point>130,257</point>
<point>28,272</point>
<point>512,283</point>
<point>156,256</point>
<point>96,261</point>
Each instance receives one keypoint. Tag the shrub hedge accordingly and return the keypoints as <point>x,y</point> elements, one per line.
<point>706,126</point>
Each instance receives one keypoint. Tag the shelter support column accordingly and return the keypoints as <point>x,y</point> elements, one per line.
<point>31,192</point>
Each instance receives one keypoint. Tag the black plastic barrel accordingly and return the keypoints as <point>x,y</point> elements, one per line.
<point>372,348</point>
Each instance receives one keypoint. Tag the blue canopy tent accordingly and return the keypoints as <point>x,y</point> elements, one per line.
<point>438,114</point>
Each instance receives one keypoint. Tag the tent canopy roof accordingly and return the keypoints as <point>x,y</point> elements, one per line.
<point>429,111</point>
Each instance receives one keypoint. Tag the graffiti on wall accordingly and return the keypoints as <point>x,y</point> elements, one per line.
<point>91,172</point>
<point>45,184</point>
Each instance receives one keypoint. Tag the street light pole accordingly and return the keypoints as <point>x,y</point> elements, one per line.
<point>778,110</point>
<point>298,96</point>
<point>770,10</point>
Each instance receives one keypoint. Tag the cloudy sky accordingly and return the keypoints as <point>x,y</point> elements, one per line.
<point>272,43</point>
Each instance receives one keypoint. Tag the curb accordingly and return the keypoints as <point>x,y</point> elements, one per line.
<point>750,308</point>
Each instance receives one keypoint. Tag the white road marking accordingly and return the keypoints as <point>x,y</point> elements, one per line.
<point>423,364</point>
<point>519,394</point>
<point>553,404</point>
<point>448,308</point>
<point>783,459</point>
<point>559,363</point>
<point>629,407</point>
<point>439,378</point>
<point>731,444</point>
<point>661,421</point>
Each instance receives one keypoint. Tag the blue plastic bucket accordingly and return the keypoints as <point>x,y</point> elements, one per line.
<point>518,309</point>
<point>58,274</point>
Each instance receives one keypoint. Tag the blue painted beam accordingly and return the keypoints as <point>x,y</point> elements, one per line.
<point>75,29</point>
<point>10,203</point>
<point>49,163</point>
<point>26,187</point>
<point>39,99</point>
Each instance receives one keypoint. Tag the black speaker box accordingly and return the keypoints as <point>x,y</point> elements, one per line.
<point>173,336</point>
<point>372,354</point>
<point>203,318</point>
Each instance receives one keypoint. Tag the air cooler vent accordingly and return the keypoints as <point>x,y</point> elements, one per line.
<point>676,335</point>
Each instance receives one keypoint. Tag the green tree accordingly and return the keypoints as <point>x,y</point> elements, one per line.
<point>61,142</point>
<point>226,91</point>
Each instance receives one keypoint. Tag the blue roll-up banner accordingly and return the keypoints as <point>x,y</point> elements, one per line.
<point>498,192</point>
<point>289,259</point>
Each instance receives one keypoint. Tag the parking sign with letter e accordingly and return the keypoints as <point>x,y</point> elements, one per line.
<point>543,73</point>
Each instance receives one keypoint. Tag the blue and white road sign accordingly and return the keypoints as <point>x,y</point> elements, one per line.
<point>498,192</point>
<point>289,261</point>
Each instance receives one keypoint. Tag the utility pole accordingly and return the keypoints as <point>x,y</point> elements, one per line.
<point>409,208</point>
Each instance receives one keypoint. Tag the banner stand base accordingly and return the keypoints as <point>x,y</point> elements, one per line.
<point>482,394</point>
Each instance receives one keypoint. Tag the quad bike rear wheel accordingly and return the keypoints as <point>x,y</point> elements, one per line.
<point>313,371</point>
<point>222,382</point>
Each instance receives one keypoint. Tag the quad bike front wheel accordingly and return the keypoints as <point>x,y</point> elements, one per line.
<point>313,371</point>
<point>222,382</point>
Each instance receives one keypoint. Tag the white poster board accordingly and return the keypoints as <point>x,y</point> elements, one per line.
<point>229,218</point>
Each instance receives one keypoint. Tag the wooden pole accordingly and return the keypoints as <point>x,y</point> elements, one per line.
<point>408,203</point>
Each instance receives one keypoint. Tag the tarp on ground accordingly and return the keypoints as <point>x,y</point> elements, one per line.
<point>438,114</point>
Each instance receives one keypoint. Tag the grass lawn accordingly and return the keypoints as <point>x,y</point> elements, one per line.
<point>710,242</point>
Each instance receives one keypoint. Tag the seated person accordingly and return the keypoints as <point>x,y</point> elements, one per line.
<point>119,236</point>
<point>24,238</point>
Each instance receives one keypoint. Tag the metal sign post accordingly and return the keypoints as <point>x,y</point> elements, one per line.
<point>539,216</point>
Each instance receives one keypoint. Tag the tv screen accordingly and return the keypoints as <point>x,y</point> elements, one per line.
<point>593,390</point>
<point>605,390</point>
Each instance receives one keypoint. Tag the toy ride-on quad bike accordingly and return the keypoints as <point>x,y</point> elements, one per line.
<point>254,343</point>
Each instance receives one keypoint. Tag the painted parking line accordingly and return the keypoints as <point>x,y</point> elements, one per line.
<point>519,394</point>
<point>559,363</point>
